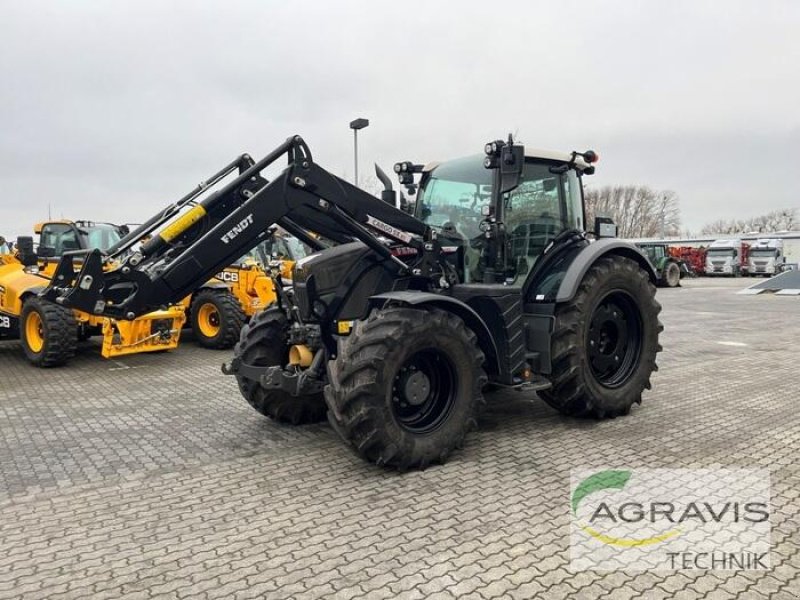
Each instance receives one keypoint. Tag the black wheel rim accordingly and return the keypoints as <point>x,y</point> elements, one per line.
<point>614,339</point>
<point>424,391</point>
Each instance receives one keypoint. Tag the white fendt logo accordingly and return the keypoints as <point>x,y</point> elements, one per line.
<point>237,229</point>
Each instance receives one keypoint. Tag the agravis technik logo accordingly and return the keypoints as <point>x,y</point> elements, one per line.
<point>670,519</point>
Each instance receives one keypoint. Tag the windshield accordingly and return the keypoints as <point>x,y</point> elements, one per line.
<point>721,252</point>
<point>100,236</point>
<point>454,195</point>
<point>763,252</point>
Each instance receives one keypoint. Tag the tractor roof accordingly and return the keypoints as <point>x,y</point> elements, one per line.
<point>536,153</point>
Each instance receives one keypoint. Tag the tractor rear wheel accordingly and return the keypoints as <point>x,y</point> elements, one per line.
<point>672,274</point>
<point>263,344</point>
<point>605,342</point>
<point>406,386</point>
<point>217,318</point>
<point>49,333</point>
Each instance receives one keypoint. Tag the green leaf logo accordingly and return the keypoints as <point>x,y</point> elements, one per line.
<point>599,481</point>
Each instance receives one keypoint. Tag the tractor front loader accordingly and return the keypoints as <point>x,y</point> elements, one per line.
<point>395,330</point>
<point>49,333</point>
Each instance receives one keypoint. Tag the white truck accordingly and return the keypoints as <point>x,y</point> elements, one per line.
<point>725,257</point>
<point>766,257</point>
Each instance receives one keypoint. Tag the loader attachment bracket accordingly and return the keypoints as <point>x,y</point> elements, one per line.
<point>78,291</point>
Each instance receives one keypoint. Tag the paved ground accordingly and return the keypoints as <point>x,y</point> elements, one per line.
<point>149,477</point>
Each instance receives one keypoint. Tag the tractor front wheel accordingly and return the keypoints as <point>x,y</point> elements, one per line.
<point>605,342</point>
<point>263,344</point>
<point>49,333</point>
<point>406,386</point>
<point>217,318</point>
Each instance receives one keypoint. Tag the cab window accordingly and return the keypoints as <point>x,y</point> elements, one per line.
<point>541,207</point>
<point>60,237</point>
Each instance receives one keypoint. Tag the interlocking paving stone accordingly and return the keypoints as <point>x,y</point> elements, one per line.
<point>150,477</point>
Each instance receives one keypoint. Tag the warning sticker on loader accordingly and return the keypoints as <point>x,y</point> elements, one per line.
<point>393,232</point>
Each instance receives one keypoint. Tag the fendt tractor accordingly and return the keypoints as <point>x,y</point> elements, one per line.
<point>669,270</point>
<point>395,330</point>
<point>49,334</point>
<point>766,257</point>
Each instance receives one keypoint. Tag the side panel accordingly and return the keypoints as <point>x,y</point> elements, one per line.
<point>14,284</point>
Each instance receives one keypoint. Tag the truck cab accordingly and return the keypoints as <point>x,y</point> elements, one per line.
<point>766,258</point>
<point>724,257</point>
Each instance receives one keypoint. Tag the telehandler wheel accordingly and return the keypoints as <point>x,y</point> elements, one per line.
<point>217,319</point>
<point>263,343</point>
<point>406,386</point>
<point>605,342</point>
<point>48,332</point>
<point>672,275</point>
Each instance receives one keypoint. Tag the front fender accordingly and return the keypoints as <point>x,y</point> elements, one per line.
<point>591,254</point>
<point>471,318</point>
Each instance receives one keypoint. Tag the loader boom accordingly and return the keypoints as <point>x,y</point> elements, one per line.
<point>225,224</point>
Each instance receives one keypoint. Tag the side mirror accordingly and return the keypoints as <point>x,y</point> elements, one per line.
<point>604,227</point>
<point>46,252</point>
<point>509,159</point>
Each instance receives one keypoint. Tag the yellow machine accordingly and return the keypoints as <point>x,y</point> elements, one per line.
<point>48,332</point>
<point>220,308</point>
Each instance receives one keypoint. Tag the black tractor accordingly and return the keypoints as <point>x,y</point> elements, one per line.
<point>401,319</point>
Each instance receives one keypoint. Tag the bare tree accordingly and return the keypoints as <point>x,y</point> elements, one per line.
<point>638,211</point>
<point>785,219</point>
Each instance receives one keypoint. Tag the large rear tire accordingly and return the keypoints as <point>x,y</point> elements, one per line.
<point>217,318</point>
<point>49,333</point>
<point>405,388</point>
<point>672,274</point>
<point>263,344</point>
<point>605,342</point>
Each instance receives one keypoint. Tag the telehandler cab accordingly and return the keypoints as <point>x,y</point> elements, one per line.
<point>395,331</point>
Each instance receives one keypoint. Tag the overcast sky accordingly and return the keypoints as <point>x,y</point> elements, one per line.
<point>110,110</point>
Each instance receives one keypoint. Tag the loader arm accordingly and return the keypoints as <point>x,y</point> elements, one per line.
<point>224,225</point>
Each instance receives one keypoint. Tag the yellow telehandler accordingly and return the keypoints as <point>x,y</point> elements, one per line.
<point>48,332</point>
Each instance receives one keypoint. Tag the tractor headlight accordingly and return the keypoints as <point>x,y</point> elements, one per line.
<point>488,149</point>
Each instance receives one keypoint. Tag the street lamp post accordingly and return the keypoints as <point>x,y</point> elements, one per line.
<point>355,126</point>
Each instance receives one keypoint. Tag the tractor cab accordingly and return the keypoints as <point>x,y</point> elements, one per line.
<point>470,207</point>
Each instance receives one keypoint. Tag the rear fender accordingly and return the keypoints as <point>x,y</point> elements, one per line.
<point>472,319</point>
<point>590,255</point>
